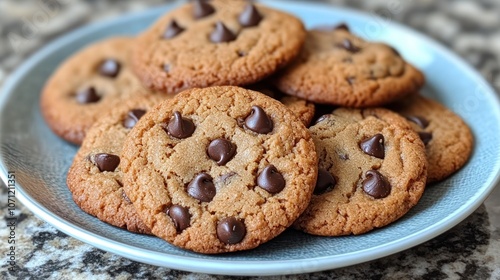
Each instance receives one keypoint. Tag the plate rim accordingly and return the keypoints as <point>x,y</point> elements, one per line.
<point>246,267</point>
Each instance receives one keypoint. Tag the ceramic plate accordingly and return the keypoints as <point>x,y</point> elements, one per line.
<point>40,160</point>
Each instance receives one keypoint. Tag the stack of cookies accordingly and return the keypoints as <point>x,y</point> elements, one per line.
<point>226,122</point>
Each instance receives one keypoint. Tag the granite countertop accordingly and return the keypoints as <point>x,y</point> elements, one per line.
<point>471,250</point>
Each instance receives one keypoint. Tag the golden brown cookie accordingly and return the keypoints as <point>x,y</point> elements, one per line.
<point>91,82</point>
<point>95,177</point>
<point>219,169</point>
<point>219,42</point>
<point>447,137</point>
<point>372,170</point>
<point>336,67</point>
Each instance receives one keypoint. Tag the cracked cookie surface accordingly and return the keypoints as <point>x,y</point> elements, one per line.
<point>336,67</point>
<point>90,82</point>
<point>95,176</point>
<point>226,42</point>
<point>219,169</point>
<point>372,170</point>
<point>448,139</point>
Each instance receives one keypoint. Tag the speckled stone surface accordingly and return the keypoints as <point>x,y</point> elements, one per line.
<point>471,250</point>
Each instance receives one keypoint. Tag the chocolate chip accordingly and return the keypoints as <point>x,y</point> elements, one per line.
<point>419,120</point>
<point>231,230</point>
<point>173,29</point>
<point>109,68</point>
<point>133,117</point>
<point>250,16</point>
<point>349,46</point>
<point>258,121</point>
<point>180,127</point>
<point>106,162</point>
<point>221,34</point>
<point>326,182</point>
<point>202,188</point>
<point>271,180</point>
<point>202,9</point>
<point>221,150</point>
<point>342,26</point>
<point>376,185</point>
<point>351,80</point>
<point>180,215</point>
<point>426,137</point>
<point>88,95</point>
<point>374,146</point>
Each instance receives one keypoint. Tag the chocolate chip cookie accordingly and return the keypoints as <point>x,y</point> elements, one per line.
<point>89,83</point>
<point>336,67</point>
<point>219,42</point>
<point>219,169</point>
<point>447,137</point>
<point>372,170</point>
<point>95,177</point>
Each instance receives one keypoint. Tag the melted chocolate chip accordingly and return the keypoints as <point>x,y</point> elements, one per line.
<point>258,121</point>
<point>419,120</point>
<point>349,46</point>
<point>173,29</point>
<point>376,185</point>
<point>221,34</point>
<point>180,127</point>
<point>202,188</point>
<point>271,180</point>
<point>106,162</point>
<point>250,16</point>
<point>88,95</point>
<point>202,9</point>
<point>109,68</point>
<point>374,146</point>
<point>426,137</point>
<point>180,215</point>
<point>221,150</point>
<point>326,182</point>
<point>231,230</point>
<point>133,117</point>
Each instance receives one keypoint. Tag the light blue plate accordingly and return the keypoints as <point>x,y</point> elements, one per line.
<point>40,159</point>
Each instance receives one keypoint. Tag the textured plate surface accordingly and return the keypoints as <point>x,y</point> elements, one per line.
<point>40,159</point>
